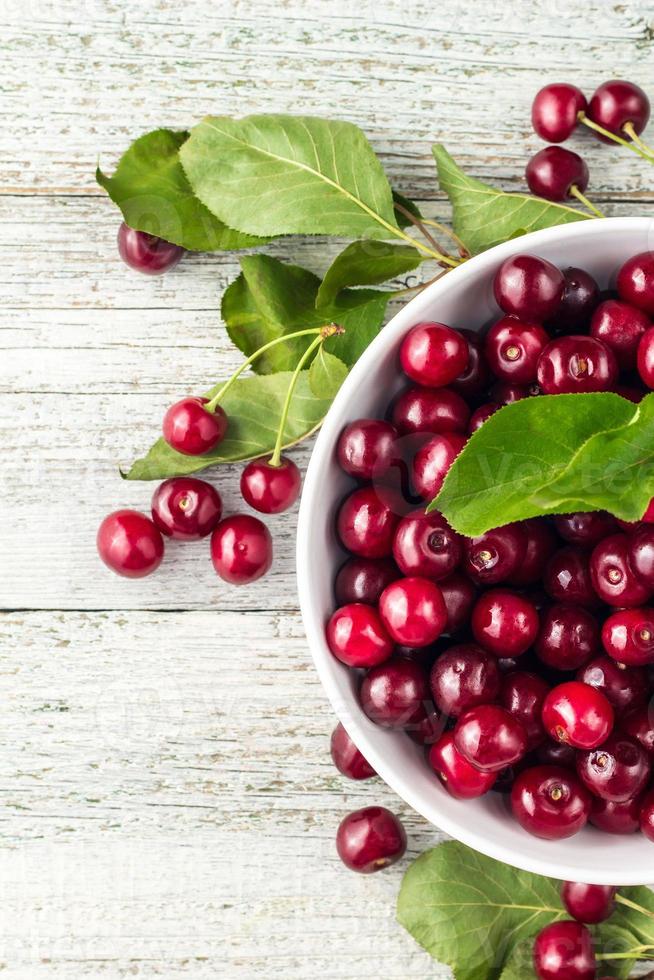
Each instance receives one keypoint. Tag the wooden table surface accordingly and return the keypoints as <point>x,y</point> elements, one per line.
<point>168,801</point>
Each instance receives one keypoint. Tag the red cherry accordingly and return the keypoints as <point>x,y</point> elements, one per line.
<point>639,725</point>
<point>130,544</point>
<point>556,754</point>
<point>185,508</point>
<point>413,611</point>
<point>191,430</point>
<point>568,637</point>
<point>540,545</point>
<point>394,694</point>
<point>347,758</point>
<point>577,714</point>
<point>357,636</point>
<point>640,554</point>
<point>553,172</point>
<point>624,687</point>
<point>585,529</point>
<point>555,111</point>
<point>366,524</point>
<point>366,448</point>
<point>505,394</point>
<point>476,377</point>
<point>432,462</point>
<point>522,695</point>
<point>495,556</point>
<point>490,738</point>
<point>462,677</point>
<point>614,580</point>
<point>433,410</point>
<point>576,364</point>
<point>241,549</point>
<point>647,815</point>
<point>461,779</point>
<point>564,951</point>
<point>645,358</point>
<point>580,297</point>
<point>528,287</point>
<point>147,253</point>
<point>270,489</point>
<point>433,354</point>
<point>459,596</point>
<point>635,282</point>
<point>628,636</point>
<point>425,544</point>
<point>620,327</point>
<point>550,802</point>
<point>618,770</point>
<point>482,415</point>
<point>370,839</point>
<point>504,623</point>
<point>567,577</point>
<point>363,580</point>
<point>513,348</point>
<point>616,818</point>
<point>616,103</point>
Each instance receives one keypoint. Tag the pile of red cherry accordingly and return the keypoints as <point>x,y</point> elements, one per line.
<point>523,660</point>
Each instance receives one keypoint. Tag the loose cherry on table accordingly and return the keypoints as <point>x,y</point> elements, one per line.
<point>495,556</point>
<point>365,448</point>
<point>581,294</point>
<point>490,737</point>
<point>621,107</point>
<point>617,771</point>
<point>462,677</point>
<point>425,544</point>
<point>241,549</point>
<point>346,756</point>
<point>459,595</point>
<point>585,529</point>
<point>625,687</point>
<point>459,777</point>
<point>512,349</point>
<point>432,410</point>
<point>613,578</point>
<point>576,364</point>
<point>357,636</point>
<point>564,951</point>
<point>628,636</point>
<point>504,623</point>
<point>271,488</point>
<point>191,430</point>
<point>394,694</point>
<point>567,577</point>
<point>645,358</point>
<point>185,508</point>
<point>147,253</point>
<point>635,282</point>
<point>434,354</point>
<point>528,287</point>
<point>522,694</point>
<point>621,328</point>
<point>413,611</point>
<point>578,715</point>
<point>366,524</point>
<point>555,111</point>
<point>363,580</point>
<point>129,543</point>
<point>370,839</point>
<point>568,637</point>
<point>556,173</point>
<point>550,802</point>
<point>432,462</point>
<point>616,818</point>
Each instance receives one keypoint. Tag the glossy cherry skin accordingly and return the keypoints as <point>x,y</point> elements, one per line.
<point>578,715</point>
<point>428,729</point>
<point>576,364</point>
<point>432,462</point>
<point>185,508</point>
<point>550,802</point>
<point>425,544</point>
<point>568,637</point>
<point>635,282</point>
<point>363,580</point>
<point>357,636</point>
<point>241,549</point>
<point>617,771</point>
<point>271,489</point>
<point>581,295</point>
<point>506,394</point>
<point>556,754</point>
<point>512,349</point>
<point>639,725</point>
<point>366,524</point>
<point>528,287</point>
<point>394,694</point>
<point>620,327</point>
<point>495,556</point>
<point>625,687</point>
<point>585,529</point>
<point>462,677</point>
<point>366,448</point>
<point>541,543</point>
<point>476,377</point>
<point>628,636</point>
<point>490,737</point>
<point>370,839</point>
<point>645,358</point>
<point>129,544</point>
<point>616,818</point>
<point>191,430</point>
<point>433,354</point>
<point>504,623</point>
<point>147,253</point>
<point>413,611</point>
<point>567,577</point>
<point>641,554</point>
<point>459,595</point>
<point>553,171</point>
<point>564,951</point>
<point>647,816</point>
<point>613,578</point>
<point>347,758</point>
<point>616,103</point>
<point>460,778</point>
<point>433,410</point>
<point>522,694</point>
<point>554,112</point>
<point>481,415</point>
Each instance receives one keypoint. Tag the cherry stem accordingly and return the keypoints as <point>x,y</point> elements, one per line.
<point>628,128</point>
<point>442,257</point>
<point>326,332</point>
<point>211,406</point>
<point>633,905</point>
<point>464,251</point>
<point>583,118</point>
<point>575,192</point>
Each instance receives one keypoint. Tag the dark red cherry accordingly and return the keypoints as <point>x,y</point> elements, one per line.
<point>490,737</point>
<point>564,951</point>
<point>628,636</point>
<point>576,364</point>
<point>460,778</point>
<point>190,429</point>
<point>129,544</point>
<point>459,596</point>
<point>347,758</point>
<point>581,295</point>
<point>618,770</point>
<point>271,489</point>
<point>370,839</point>
<point>645,358</point>
<point>541,543</point>
<point>639,725</point>
<point>432,462</point>
<point>556,754</point>
<point>635,282</point>
<point>364,580</point>
<point>433,410</point>
<point>568,637</point>
<point>428,728</point>
<point>620,327</point>
<point>433,354</point>
<point>554,171</point>
<point>647,815</point>
<point>523,694</point>
<point>616,818</point>
<point>185,508</point>
<point>357,636</point>
<point>624,687</point>
<point>614,580</point>
<point>147,253</point>
<point>425,544</point>
<point>413,611</point>
<point>567,577</point>
<point>550,802</point>
<point>555,111</point>
<point>504,623</point>
<point>462,677</point>
<point>513,348</point>
<point>394,694</point>
<point>495,556</point>
<point>366,524</point>
<point>641,553</point>
<point>577,714</point>
<point>476,377</point>
<point>585,529</point>
<point>504,393</point>
<point>482,415</point>
<point>241,549</point>
<point>528,287</point>
<point>366,448</point>
<point>616,103</point>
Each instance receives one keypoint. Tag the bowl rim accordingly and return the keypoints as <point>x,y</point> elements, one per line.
<point>313,493</point>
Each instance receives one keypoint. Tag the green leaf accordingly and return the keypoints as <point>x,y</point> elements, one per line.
<point>608,939</point>
<point>635,913</point>
<point>254,407</point>
<point>408,205</point>
<point>151,189</point>
<point>553,455</point>
<point>284,175</point>
<point>366,263</point>
<point>326,374</point>
<point>484,216</point>
<point>272,298</point>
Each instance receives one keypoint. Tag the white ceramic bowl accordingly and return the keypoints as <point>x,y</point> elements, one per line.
<point>462,298</point>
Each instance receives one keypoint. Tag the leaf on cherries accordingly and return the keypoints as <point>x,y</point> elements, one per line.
<point>366,263</point>
<point>326,374</point>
